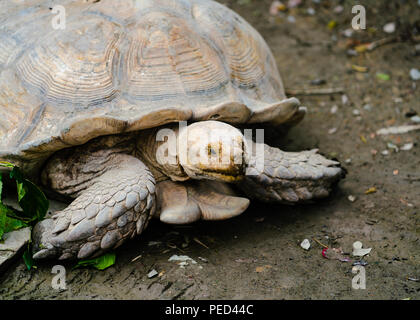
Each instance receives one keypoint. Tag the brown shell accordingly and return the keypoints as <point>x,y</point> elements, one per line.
<point>126,65</point>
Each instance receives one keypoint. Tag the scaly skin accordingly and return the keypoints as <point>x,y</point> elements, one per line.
<point>116,207</point>
<point>290,177</point>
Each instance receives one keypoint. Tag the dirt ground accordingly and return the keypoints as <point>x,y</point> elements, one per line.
<point>258,255</point>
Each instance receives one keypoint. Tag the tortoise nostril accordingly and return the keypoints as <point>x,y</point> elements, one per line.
<point>215,116</point>
<point>211,151</point>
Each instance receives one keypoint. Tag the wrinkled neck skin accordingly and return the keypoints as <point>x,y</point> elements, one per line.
<point>150,147</point>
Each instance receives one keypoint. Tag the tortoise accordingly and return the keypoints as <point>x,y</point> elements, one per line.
<point>135,109</point>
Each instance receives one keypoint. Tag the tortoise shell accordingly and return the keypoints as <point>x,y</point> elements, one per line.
<point>120,66</point>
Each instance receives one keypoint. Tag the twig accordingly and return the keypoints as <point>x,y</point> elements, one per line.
<point>381,42</point>
<point>199,242</point>
<point>172,246</point>
<point>322,245</point>
<point>378,43</point>
<point>412,178</point>
<point>314,92</point>
<point>136,258</point>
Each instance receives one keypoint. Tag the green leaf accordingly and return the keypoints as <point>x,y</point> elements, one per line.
<point>6,164</point>
<point>27,258</point>
<point>33,202</point>
<point>31,199</point>
<point>7,222</point>
<point>100,263</point>
<point>2,223</point>
<point>14,224</point>
<point>383,76</point>
<point>11,222</point>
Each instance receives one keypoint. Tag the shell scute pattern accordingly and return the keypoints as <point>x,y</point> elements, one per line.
<point>121,66</point>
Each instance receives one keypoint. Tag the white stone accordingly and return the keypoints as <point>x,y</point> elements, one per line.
<point>415,74</point>
<point>12,243</point>
<point>311,11</point>
<point>358,251</point>
<point>389,27</point>
<point>182,259</point>
<point>305,244</point>
<point>152,274</point>
<point>407,146</point>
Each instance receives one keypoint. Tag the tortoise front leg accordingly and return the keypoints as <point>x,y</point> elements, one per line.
<point>289,177</point>
<point>190,201</point>
<point>116,207</point>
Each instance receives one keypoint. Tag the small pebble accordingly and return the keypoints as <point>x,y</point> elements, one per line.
<point>351,53</point>
<point>367,107</point>
<point>407,146</point>
<point>334,109</point>
<point>348,33</point>
<point>347,161</point>
<point>352,198</point>
<point>356,112</point>
<point>310,11</point>
<point>359,251</point>
<point>389,27</point>
<point>152,274</point>
<point>415,74</point>
<point>332,131</point>
<point>415,119</point>
<point>385,152</point>
<point>344,99</point>
<point>305,244</point>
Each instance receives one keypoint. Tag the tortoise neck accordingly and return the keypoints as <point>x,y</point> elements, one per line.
<point>157,148</point>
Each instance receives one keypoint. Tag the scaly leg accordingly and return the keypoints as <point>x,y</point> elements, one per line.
<point>116,207</point>
<point>290,177</point>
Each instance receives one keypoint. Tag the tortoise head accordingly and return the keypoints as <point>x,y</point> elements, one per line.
<point>212,150</point>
